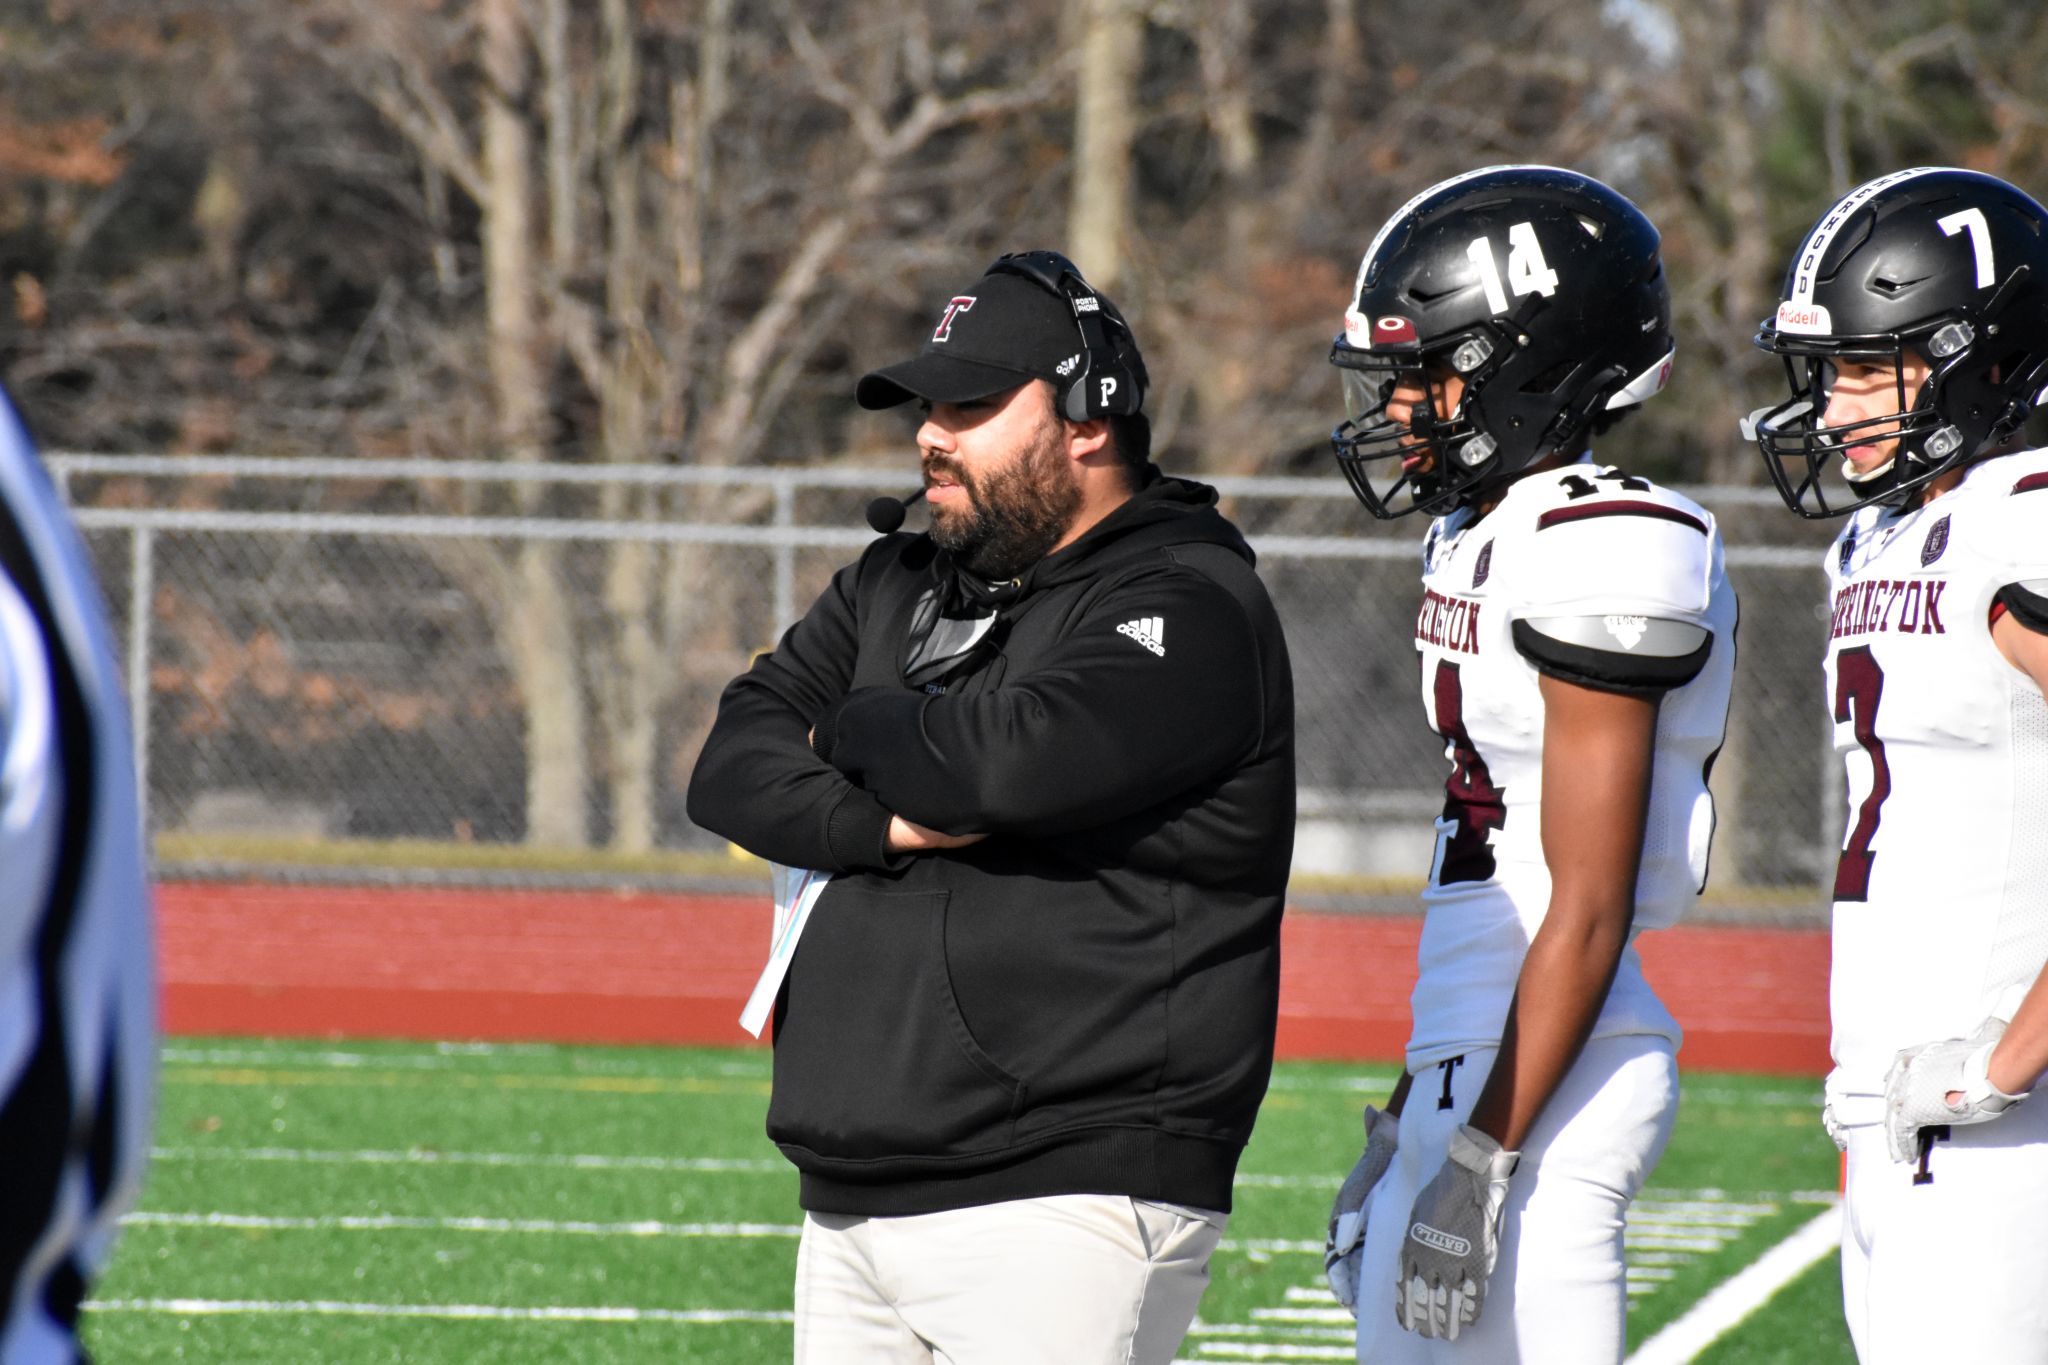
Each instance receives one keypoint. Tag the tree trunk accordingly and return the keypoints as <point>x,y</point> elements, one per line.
<point>543,636</point>
<point>540,627</point>
<point>633,719</point>
<point>1098,218</point>
<point>635,684</point>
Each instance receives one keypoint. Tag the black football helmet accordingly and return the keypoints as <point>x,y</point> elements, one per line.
<point>1541,288</point>
<point>1949,265</point>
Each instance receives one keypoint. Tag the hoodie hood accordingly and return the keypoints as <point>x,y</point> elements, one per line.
<point>1163,511</point>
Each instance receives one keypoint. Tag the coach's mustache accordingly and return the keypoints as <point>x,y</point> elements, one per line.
<point>940,465</point>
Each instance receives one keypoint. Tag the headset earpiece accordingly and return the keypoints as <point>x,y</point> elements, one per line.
<point>1103,386</point>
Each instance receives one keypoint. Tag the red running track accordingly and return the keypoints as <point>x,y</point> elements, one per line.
<point>601,967</point>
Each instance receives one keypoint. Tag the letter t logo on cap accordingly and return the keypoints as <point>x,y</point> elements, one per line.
<point>963,304</point>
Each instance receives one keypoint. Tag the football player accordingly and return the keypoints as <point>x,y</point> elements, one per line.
<point>77,964</point>
<point>1914,331</point>
<point>1577,638</point>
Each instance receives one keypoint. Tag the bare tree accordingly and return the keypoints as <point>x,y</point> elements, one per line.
<point>617,225</point>
<point>1111,48</point>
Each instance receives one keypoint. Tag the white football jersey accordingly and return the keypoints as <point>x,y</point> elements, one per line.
<point>1615,554</point>
<point>1941,890</point>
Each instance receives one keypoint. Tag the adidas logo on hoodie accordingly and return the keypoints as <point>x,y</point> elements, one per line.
<point>1149,631</point>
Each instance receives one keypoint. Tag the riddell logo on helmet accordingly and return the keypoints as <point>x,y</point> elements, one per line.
<point>1365,332</point>
<point>1803,319</point>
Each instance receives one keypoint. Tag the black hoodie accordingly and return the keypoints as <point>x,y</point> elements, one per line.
<point>1084,1002</point>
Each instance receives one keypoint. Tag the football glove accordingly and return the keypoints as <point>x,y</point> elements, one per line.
<point>1916,1089</point>
<point>1837,1130</point>
<point>1454,1237</point>
<point>1342,1243</point>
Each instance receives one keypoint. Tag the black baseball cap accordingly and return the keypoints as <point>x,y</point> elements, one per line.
<point>1005,330</point>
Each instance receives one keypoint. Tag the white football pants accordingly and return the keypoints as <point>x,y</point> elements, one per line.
<point>1954,1268</point>
<point>1558,1292</point>
<point>1081,1279</point>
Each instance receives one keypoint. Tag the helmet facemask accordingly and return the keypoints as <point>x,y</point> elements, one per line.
<point>1930,268</point>
<point>1964,406</point>
<point>1429,463</point>
<point>1809,462</point>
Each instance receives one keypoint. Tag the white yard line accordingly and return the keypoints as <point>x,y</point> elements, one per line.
<point>1732,1301</point>
<point>1245,1350</point>
<point>1252,1180</point>
<point>394,1222</point>
<point>336,1308</point>
<point>446,1057</point>
<point>1653,1206</point>
<point>1321,1317</point>
<point>423,1156</point>
<point>388,1222</point>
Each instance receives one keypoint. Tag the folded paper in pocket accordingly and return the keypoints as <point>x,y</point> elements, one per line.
<point>796,891</point>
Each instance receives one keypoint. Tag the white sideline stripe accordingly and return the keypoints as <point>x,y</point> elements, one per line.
<point>1304,1315</point>
<point>1349,1333</point>
<point>1704,1245</point>
<point>396,1222</point>
<point>1651,1203</point>
<point>335,1308</point>
<point>445,1057</point>
<point>1697,1211</point>
<point>419,1156</point>
<point>385,1222</point>
<point>1733,1300</point>
<point>1310,1294</point>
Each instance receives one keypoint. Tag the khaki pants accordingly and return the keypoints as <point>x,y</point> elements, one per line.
<point>1075,1279</point>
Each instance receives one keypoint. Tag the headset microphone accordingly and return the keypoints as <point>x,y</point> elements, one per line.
<point>885,513</point>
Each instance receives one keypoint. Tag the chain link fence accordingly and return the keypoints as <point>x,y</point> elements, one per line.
<point>408,669</point>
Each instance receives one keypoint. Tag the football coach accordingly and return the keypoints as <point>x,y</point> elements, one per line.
<point>1046,752</point>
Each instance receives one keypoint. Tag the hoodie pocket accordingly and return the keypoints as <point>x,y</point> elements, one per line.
<point>872,1056</point>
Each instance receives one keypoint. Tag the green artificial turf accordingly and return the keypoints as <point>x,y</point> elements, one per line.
<point>380,1201</point>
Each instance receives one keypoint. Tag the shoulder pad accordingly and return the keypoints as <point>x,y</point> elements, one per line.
<point>1637,655</point>
<point>1568,564</point>
<point>1619,507</point>
<point>2008,539</point>
<point>2027,600</point>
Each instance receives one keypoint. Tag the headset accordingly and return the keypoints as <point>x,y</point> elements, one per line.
<point>1107,385</point>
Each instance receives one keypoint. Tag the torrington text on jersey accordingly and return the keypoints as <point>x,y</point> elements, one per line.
<point>1901,606</point>
<point>1448,622</point>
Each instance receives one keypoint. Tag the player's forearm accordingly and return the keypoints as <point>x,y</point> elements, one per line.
<point>1399,1098</point>
<point>1597,755</point>
<point>1564,982</point>
<point>2022,1054</point>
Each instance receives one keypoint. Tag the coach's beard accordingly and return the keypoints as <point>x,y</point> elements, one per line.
<point>1014,515</point>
